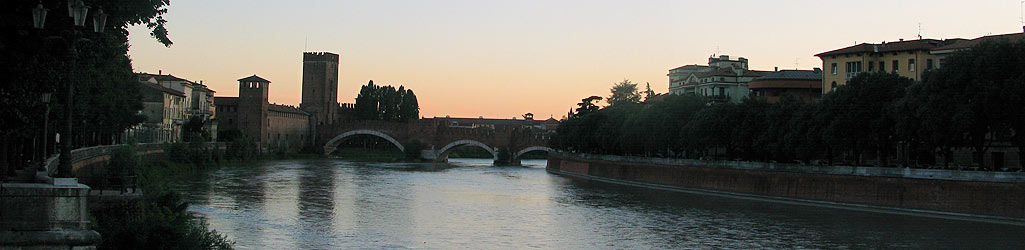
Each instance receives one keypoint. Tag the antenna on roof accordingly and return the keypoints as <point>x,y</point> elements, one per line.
<point>797,63</point>
<point>919,31</point>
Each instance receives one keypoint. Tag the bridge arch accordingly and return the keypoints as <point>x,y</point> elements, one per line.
<point>444,150</point>
<point>331,145</point>
<point>531,149</point>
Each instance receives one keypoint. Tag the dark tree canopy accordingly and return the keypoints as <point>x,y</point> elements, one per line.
<point>35,61</point>
<point>973,102</point>
<point>624,92</point>
<point>386,103</point>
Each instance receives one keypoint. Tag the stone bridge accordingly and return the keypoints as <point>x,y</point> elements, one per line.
<point>439,137</point>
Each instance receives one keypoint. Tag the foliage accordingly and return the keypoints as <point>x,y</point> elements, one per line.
<point>123,161</point>
<point>33,62</point>
<point>386,103</point>
<point>193,130</point>
<point>863,114</point>
<point>648,93</point>
<point>586,106</point>
<point>160,221</point>
<point>973,102</point>
<point>624,92</point>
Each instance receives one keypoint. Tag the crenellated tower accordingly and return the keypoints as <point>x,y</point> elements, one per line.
<point>320,86</point>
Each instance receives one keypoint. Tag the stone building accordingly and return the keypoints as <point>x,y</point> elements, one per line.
<point>164,109</point>
<point>198,98</point>
<point>320,86</point>
<point>250,114</point>
<point>803,85</point>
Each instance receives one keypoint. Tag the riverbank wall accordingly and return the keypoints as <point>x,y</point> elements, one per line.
<point>90,162</point>
<point>990,196</point>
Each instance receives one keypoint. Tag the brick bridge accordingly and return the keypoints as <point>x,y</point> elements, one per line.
<point>440,136</point>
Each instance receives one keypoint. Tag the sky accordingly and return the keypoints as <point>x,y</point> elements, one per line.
<point>501,59</point>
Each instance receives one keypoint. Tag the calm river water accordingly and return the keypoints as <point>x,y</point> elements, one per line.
<point>332,204</point>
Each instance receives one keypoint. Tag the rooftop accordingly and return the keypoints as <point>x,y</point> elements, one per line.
<point>807,75</point>
<point>958,44</point>
<point>910,45</point>
<point>253,78</point>
<point>162,88</point>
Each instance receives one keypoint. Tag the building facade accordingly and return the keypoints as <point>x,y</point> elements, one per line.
<point>164,109</point>
<point>805,85</point>
<point>272,126</point>
<point>905,58</point>
<point>723,80</point>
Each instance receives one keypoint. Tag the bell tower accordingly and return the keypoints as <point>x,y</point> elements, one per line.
<point>252,107</point>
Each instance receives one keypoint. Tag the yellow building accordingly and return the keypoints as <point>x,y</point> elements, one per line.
<point>905,58</point>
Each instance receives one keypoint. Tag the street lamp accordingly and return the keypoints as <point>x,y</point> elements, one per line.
<point>78,11</point>
<point>39,15</point>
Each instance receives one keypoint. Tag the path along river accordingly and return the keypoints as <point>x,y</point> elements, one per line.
<point>333,204</point>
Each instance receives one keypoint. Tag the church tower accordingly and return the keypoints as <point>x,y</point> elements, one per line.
<point>320,87</point>
<point>252,107</point>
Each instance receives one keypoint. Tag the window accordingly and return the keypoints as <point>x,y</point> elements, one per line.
<point>928,64</point>
<point>834,68</point>
<point>871,66</point>
<point>853,68</point>
<point>833,88</point>
<point>895,66</point>
<point>911,65</point>
<point>882,66</point>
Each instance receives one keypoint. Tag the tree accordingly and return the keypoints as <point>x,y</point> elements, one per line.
<point>386,103</point>
<point>409,110</point>
<point>624,92</point>
<point>864,114</point>
<point>967,102</point>
<point>647,91</point>
<point>587,106</point>
<point>36,61</point>
<point>367,101</point>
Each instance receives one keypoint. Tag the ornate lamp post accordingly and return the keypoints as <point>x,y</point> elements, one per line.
<point>78,11</point>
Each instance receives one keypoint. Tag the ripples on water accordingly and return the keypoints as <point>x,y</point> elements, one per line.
<point>331,204</point>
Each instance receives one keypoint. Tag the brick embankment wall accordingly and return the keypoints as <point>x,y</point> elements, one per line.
<point>982,195</point>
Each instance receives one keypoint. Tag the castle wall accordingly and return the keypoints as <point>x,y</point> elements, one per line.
<point>288,131</point>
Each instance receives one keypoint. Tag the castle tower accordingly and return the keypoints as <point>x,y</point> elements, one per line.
<point>320,86</point>
<point>252,107</point>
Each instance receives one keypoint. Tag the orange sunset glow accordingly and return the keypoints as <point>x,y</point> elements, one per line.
<point>503,59</point>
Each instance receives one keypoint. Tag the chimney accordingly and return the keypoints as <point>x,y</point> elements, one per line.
<point>901,40</point>
<point>160,72</point>
<point>775,68</point>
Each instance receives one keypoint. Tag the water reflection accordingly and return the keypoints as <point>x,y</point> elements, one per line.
<point>330,204</point>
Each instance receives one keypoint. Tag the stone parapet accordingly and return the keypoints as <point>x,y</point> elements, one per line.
<point>44,216</point>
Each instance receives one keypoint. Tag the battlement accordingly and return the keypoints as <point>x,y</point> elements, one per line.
<point>320,56</point>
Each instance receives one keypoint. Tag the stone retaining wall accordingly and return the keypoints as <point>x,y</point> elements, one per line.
<point>969,193</point>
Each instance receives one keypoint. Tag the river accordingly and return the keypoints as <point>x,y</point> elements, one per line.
<point>333,204</point>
